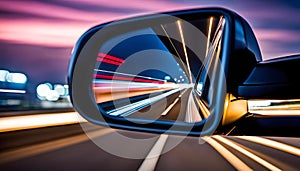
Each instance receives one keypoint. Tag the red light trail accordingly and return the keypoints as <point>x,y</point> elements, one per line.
<point>102,57</point>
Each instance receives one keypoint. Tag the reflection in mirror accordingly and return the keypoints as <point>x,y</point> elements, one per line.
<point>151,72</point>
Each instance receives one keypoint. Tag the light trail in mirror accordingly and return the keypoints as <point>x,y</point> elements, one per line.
<point>150,72</point>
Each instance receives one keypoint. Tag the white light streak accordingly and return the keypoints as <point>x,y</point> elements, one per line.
<point>273,144</point>
<point>247,153</point>
<point>209,34</point>
<point>184,49</point>
<point>14,123</point>
<point>12,91</point>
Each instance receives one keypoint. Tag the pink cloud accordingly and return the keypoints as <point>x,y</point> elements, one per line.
<point>67,24</point>
<point>49,10</point>
<point>153,5</point>
<point>277,35</point>
<point>70,23</point>
<point>42,33</point>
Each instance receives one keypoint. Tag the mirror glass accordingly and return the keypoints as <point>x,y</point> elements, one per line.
<point>162,72</point>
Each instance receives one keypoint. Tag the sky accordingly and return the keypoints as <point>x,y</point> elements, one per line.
<point>36,37</point>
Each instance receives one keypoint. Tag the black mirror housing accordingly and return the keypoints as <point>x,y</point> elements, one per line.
<point>273,79</point>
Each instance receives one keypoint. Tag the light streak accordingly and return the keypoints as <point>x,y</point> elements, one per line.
<point>13,123</point>
<point>170,40</point>
<point>247,153</point>
<point>131,108</point>
<point>203,108</point>
<point>209,34</point>
<point>184,49</point>
<point>112,94</point>
<point>110,57</point>
<point>192,113</point>
<point>108,61</point>
<point>41,148</point>
<point>273,144</point>
<point>112,77</point>
<point>132,75</point>
<point>286,112</point>
<point>12,91</point>
<point>231,158</point>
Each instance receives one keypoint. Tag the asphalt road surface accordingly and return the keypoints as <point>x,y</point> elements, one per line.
<point>69,148</point>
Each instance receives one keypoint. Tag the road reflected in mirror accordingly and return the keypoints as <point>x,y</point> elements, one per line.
<point>153,72</point>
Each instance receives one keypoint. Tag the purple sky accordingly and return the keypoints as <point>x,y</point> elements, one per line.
<point>36,37</point>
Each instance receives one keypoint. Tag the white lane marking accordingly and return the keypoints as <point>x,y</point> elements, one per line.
<point>192,113</point>
<point>273,144</point>
<point>12,91</point>
<point>151,159</point>
<point>13,123</point>
<point>131,108</point>
<point>247,153</point>
<point>172,105</point>
<point>50,146</point>
<point>231,158</point>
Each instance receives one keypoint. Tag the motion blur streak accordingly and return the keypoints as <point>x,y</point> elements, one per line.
<point>131,75</point>
<point>247,153</point>
<point>273,144</point>
<point>50,146</point>
<point>231,158</point>
<point>103,55</point>
<point>14,123</point>
<point>184,49</point>
<point>277,112</point>
<point>111,77</point>
<point>108,61</point>
<point>12,91</point>
<point>289,107</point>
<point>151,160</point>
<point>209,34</point>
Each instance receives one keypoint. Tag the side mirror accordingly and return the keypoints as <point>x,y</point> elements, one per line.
<point>178,72</point>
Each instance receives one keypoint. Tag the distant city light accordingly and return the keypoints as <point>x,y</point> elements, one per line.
<point>42,90</point>
<point>167,77</point>
<point>6,76</point>
<point>48,92</point>
<point>3,74</point>
<point>16,78</point>
<point>200,87</point>
<point>66,90</point>
<point>52,95</point>
<point>60,89</point>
